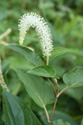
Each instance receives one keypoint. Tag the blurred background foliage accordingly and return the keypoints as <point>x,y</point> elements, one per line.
<point>65,19</point>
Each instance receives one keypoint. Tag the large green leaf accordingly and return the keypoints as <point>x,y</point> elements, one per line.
<point>38,89</point>
<point>60,122</point>
<point>45,71</point>
<point>29,55</point>
<point>74,77</point>
<point>16,112</point>
<point>58,51</point>
<point>18,62</point>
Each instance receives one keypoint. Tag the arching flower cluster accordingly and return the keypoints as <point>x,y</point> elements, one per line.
<point>33,20</point>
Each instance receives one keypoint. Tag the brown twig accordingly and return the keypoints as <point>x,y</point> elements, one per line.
<point>55,100</point>
<point>62,91</point>
<point>52,85</point>
<point>49,120</point>
<point>49,123</point>
<point>56,85</point>
<point>53,108</point>
<point>57,95</point>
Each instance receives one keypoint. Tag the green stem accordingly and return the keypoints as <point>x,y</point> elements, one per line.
<point>47,60</point>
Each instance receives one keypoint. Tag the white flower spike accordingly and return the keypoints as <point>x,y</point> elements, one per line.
<point>33,20</point>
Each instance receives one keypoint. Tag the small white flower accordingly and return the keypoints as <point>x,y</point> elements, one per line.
<point>33,20</point>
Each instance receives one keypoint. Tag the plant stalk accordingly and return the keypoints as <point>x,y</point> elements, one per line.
<point>56,85</point>
<point>47,60</point>
<point>53,108</point>
<point>52,85</point>
<point>62,91</point>
<point>46,113</point>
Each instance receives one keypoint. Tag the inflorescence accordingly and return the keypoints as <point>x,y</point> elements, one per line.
<point>33,20</point>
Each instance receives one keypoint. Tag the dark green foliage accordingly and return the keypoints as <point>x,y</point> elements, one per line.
<point>40,92</point>
<point>16,112</point>
<point>20,64</point>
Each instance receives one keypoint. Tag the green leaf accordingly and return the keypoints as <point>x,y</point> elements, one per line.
<point>14,85</point>
<point>29,55</point>
<point>76,52</point>
<point>74,92</point>
<point>38,89</point>
<point>58,115</point>
<point>19,63</point>
<point>82,122</point>
<point>45,71</point>
<point>74,77</point>
<point>60,122</point>
<point>16,112</point>
<point>5,67</point>
<point>1,121</point>
<point>58,51</point>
